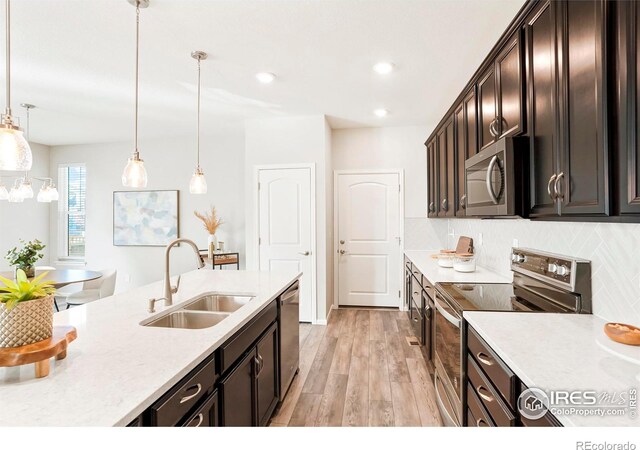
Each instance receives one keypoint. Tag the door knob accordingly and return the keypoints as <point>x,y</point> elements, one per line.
<point>341,242</point>
<point>342,252</point>
<point>306,253</point>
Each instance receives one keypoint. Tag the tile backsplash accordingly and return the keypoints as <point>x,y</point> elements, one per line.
<point>613,249</point>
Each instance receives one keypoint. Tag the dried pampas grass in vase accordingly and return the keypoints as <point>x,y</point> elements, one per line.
<point>211,223</point>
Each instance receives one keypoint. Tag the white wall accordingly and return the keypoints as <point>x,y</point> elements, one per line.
<point>169,164</point>
<point>392,148</point>
<point>612,248</point>
<point>291,140</point>
<point>28,220</point>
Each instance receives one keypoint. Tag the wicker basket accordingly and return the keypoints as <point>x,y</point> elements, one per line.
<point>27,323</point>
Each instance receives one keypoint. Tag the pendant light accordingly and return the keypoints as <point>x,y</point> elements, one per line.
<point>15,153</point>
<point>134,174</point>
<point>198,184</point>
<point>4,194</point>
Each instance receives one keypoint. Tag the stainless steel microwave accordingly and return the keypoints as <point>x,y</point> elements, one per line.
<point>494,179</point>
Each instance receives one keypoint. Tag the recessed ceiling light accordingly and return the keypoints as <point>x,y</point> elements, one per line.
<point>383,68</point>
<point>381,112</point>
<point>265,77</point>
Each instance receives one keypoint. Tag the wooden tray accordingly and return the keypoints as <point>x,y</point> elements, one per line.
<point>622,333</point>
<point>41,352</point>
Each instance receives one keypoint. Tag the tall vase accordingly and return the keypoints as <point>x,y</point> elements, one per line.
<point>212,240</point>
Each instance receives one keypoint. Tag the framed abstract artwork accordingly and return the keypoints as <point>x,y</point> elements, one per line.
<point>145,218</point>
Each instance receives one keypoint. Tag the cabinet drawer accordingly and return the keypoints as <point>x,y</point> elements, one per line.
<point>498,411</point>
<point>240,342</point>
<point>416,292</point>
<point>171,408</point>
<point>500,375</point>
<point>478,413</point>
<point>206,415</point>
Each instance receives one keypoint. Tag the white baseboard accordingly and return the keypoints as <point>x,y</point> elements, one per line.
<point>325,321</point>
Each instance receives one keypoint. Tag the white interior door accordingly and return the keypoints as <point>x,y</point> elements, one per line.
<point>285,226</point>
<point>369,252</point>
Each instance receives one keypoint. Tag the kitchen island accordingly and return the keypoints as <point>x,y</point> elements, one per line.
<point>117,368</point>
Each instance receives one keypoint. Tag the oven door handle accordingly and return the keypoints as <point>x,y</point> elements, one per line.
<point>447,315</point>
<point>492,194</point>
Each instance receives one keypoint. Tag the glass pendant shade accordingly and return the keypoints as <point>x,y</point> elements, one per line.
<point>198,184</point>
<point>26,190</point>
<point>4,194</point>
<point>134,174</point>
<point>14,195</point>
<point>15,153</point>
<point>43,195</point>
<point>53,194</point>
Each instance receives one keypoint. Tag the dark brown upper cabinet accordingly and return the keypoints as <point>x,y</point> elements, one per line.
<point>446,169</point>
<point>432,179</point>
<point>540,37</point>
<point>566,81</point>
<point>582,181</point>
<point>500,94</point>
<point>465,145</point>
<point>628,51</point>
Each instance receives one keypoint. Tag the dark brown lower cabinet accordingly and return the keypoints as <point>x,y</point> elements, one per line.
<point>237,394</point>
<point>249,393</point>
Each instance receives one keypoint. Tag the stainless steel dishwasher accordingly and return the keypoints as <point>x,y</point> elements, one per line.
<point>289,306</point>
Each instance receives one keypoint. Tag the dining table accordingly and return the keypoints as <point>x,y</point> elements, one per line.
<point>61,277</point>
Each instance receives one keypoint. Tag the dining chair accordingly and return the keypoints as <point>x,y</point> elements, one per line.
<point>94,290</point>
<point>49,269</point>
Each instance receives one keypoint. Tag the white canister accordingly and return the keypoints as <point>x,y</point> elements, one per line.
<point>464,262</point>
<point>445,258</point>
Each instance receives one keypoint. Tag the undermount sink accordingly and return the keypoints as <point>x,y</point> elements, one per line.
<point>218,303</point>
<point>192,320</point>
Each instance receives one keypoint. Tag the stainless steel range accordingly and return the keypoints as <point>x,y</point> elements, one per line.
<point>542,282</point>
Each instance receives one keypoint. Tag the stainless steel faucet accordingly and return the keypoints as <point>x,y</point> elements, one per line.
<point>168,289</point>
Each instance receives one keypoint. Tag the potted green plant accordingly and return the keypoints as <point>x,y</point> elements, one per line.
<point>26,310</point>
<point>25,258</point>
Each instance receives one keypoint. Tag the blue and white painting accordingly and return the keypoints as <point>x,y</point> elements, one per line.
<point>145,218</point>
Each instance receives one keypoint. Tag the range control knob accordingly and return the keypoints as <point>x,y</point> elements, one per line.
<point>518,258</point>
<point>552,268</point>
<point>562,271</point>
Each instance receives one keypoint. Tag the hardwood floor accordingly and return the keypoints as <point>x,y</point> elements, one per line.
<point>360,370</point>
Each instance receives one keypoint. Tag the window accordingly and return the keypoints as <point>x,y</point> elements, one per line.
<point>72,181</point>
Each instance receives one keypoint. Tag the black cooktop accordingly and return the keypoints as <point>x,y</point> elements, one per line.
<point>480,297</point>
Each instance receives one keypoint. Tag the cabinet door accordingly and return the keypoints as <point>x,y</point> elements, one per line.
<point>583,182</point>
<point>509,88</point>
<point>471,121</point>
<point>628,23</point>
<point>267,374</point>
<point>452,176</point>
<point>460,144</point>
<point>487,107</point>
<point>540,35</point>
<point>432,179</point>
<point>441,157</point>
<point>237,392</point>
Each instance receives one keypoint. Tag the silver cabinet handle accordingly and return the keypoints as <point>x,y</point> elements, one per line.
<point>484,359</point>
<point>200,418</point>
<point>559,192</point>
<point>432,207</point>
<point>487,397</point>
<point>492,129</point>
<point>445,204</point>
<point>189,397</point>
<point>551,194</point>
<point>305,253</point>
<point>492,194</point>
<point>463,202</point>
<point>481,423</point>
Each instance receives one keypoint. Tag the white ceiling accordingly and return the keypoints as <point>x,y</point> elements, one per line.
<point>74,60</point>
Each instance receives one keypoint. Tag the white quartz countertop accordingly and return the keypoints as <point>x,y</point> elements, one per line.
<point>563,352</point>
<point>435,274</point>
<point>116,368</point>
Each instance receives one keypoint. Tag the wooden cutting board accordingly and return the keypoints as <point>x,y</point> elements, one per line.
<point>465,245</point>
